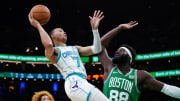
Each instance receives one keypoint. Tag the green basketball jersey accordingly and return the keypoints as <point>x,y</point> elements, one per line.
<point>119,87</point>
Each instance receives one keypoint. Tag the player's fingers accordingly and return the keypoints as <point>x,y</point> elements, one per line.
<point>134,23</point>
<point>130,23</point>
<point>101,17</point>
<point>94,13</point>
<point>97,15</point>
<point>100,14</point>
<point>90,17</point>
<point>29,16</point>
<point>32,15</point>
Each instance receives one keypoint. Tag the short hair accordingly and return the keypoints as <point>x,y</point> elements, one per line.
<point>51,32</point>
<point>132,50</point>
<point>37,96</point>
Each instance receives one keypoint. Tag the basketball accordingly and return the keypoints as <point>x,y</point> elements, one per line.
<point>41,13</point>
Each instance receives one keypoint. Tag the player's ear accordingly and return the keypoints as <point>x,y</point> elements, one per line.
<point>52,36</point>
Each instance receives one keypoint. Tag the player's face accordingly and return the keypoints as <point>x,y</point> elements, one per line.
<point>60,34</point>
<point>121,56</point>
<point>45,98</point>
<point>120,52</point>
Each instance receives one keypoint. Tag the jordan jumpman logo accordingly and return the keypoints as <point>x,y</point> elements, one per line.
<point>75,86</point>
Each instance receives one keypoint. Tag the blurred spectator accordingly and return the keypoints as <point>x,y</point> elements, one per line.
<point>42,96</point>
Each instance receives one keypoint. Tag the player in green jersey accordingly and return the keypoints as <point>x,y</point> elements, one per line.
<point>121,81</point>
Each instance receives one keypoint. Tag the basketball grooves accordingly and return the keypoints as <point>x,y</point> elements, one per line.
<point>40,12</point>
<point>47,18</point>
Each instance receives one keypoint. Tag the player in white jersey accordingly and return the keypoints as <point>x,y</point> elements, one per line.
<point>67,59</point>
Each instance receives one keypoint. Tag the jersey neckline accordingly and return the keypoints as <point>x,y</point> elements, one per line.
<point>122,73</point>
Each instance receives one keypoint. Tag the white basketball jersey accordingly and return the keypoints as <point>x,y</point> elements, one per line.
<point>69,61</point>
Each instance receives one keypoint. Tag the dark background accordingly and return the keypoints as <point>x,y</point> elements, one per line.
<point>158,30</point>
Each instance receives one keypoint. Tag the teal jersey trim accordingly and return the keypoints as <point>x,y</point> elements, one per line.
<point>59,55</point>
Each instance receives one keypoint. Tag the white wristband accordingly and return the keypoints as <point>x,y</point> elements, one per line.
<point>96,47</point>
<point>172,91</point>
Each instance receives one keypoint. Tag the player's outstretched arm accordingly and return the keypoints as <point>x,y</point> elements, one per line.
<point>106,39</point>
<point>96,47</point>
<point>153,84</point>
<point>45,39</point>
